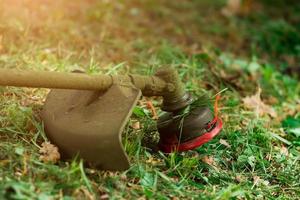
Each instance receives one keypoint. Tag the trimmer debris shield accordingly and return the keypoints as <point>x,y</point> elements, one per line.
<point>89,124</point>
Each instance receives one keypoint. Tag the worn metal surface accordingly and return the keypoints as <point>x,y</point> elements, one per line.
<point>176,97</point>
<point>90,123</point>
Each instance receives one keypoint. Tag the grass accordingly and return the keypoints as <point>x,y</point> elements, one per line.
<point>261,159</point>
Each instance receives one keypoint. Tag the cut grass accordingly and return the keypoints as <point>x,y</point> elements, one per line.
<point>261,160</point>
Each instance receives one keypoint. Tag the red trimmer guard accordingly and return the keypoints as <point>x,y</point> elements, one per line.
<point>194,143</point>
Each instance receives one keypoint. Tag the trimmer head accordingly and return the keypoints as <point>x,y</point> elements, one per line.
<point>90,123</point>
<point>183,133</point>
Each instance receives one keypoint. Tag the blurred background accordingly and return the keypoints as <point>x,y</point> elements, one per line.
<point>115,31</point>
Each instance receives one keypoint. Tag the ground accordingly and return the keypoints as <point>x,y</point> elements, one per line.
<point>255,157</point>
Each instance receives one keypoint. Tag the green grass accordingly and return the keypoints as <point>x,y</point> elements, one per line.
<point>139,37</point>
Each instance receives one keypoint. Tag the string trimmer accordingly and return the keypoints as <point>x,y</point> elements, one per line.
<point>84,115</point>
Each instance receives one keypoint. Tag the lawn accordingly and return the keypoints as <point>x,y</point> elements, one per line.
<point>256,156</point>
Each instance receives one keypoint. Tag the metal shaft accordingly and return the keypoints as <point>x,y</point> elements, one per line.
<point>165,83</point>
<point>151,85</point>
<point>40,79</point>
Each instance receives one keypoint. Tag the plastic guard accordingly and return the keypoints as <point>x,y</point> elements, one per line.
<point>196,142</point>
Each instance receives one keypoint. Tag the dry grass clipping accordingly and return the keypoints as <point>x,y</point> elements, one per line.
<point>49,153</point>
